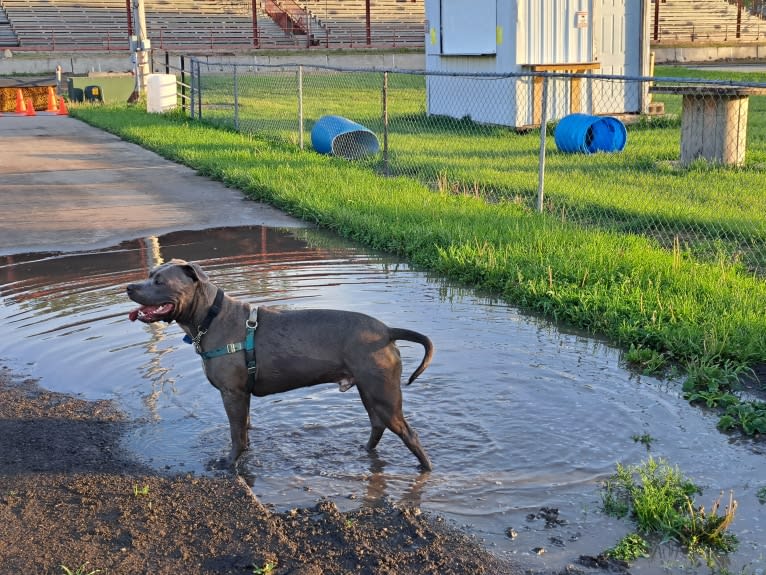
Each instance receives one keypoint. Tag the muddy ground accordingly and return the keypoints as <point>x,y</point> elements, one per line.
<point>69,496</point>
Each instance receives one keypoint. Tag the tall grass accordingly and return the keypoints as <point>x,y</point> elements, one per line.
<point>622,286</point>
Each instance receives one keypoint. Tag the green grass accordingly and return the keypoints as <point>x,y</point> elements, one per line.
<point>629,548</point>
<point>660,500</point>
<point>600,273</point>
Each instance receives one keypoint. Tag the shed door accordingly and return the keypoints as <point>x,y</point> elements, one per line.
<point>617,42</point>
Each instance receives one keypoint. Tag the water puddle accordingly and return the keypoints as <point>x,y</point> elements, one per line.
<point>516,414</point>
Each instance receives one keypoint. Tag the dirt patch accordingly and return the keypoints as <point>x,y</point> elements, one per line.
<point>69,495</point>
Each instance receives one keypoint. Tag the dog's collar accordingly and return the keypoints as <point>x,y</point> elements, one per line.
<point>212,313</point>
<point>214,310</point>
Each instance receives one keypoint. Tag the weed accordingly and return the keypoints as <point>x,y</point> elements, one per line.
<point>705,531</point>
<point>143,491</point>
<point>266,569</point>
<point>648,361</point>
<point>629,548</point>
<point>79,571</point>
<point>761,495</point>
<point>659,499</point>
<point>644,439</point>
<point>750,416</point>
<point>711,374</point>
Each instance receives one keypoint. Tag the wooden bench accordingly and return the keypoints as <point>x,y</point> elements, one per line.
<point>575,86</point>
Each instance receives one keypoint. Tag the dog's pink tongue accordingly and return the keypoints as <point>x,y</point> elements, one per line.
<point>151,313</point>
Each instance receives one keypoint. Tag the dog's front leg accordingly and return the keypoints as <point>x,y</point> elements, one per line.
<point>237,405</point>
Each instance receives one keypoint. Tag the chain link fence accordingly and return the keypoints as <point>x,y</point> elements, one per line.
<point>688,171</point>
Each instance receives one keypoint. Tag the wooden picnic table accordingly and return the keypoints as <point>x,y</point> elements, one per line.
<point>713,121</point>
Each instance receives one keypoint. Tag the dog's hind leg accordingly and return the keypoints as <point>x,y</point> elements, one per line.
<point>400,426</point>
<point>386,412</point>
<point>378,426</point>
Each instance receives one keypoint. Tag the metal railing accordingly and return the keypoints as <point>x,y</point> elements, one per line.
<point>682,161</point>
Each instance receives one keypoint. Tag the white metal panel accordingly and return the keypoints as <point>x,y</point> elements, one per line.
<point>487,101</point>
<point>548,32</point>
<point>468,27</point>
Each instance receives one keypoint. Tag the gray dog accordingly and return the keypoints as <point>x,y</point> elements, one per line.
<point>266,350</point>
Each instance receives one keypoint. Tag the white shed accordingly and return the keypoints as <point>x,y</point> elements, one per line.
<point>517,36</point>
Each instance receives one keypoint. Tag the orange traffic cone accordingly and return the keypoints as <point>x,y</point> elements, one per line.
<point>30,108</point>
<point>21,108</point>
<point>52,102</point>
<point>63,110</point>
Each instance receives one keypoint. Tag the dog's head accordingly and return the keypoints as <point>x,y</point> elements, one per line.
<point>167,292</point>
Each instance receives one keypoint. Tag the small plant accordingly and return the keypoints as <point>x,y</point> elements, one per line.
<point>648,361</point>
<point>144,491</point>
<point>709,374</point>
<point>761,495</point>
<point>79,571</point>
<point>750,416</point>
<point>629,548</point>
<point>659,499</point>
<point>706,530</point>
<point>645,439</point>
<point>266,569</point>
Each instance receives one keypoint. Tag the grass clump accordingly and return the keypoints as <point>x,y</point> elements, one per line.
<point>660,500</point>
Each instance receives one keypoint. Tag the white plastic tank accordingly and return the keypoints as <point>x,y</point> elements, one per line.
<point>160,93</point>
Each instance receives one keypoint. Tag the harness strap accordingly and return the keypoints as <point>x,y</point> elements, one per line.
<point>248,346</point>
<point>252,366</point>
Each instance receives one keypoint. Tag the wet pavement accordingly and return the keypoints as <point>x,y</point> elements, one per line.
<point>65,185</point>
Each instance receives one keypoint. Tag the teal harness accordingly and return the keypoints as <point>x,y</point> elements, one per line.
<point>248,346</point>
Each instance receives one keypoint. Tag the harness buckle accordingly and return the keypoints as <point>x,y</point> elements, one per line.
<point>231,348</point>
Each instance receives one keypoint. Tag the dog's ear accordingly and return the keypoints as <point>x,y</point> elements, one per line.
<point>195,272</point>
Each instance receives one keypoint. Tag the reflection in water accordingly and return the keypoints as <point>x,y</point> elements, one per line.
<point>516,414</point>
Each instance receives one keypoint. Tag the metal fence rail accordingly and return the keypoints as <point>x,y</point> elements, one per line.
<point>691,175</point>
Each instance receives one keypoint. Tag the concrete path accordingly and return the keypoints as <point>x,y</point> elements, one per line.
<point>66,186</point>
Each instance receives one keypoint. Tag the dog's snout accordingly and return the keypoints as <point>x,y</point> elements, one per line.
<point>131,288</point>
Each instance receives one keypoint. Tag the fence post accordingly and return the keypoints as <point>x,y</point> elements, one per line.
<point>236,99</point>
<point>192,90</point>
<point>183,83</point>
<point>543,133</point>
<point>199,90</point>
<point>300,107</point>
<point>385,124</point>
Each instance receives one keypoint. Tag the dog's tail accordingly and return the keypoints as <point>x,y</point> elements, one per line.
<point>409,335</point>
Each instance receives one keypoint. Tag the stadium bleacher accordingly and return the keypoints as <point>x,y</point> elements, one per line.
<point>179,24</point>
<point>706,20</point>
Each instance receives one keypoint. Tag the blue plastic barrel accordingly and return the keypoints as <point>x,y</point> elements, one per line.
<point>589,134</point>
<point>340,136</point>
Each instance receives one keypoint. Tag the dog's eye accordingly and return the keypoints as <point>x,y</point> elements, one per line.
<point>158,281</point>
